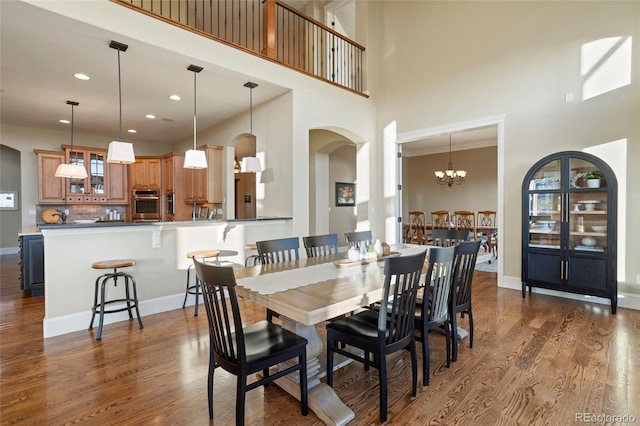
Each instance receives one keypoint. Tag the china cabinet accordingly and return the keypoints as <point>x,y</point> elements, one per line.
<point>569,227</point>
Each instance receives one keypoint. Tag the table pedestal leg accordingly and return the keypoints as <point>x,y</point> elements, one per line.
<point>322,398</point>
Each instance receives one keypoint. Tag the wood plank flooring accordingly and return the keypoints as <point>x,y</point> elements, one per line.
<point>537,361</point>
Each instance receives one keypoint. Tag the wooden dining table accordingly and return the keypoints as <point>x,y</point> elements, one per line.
<point>307,292</point>
<point>487,231</point>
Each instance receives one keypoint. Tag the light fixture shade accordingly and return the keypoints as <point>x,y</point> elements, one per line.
<point>121,152</point>
<point>195,159</point>
<point>71,171</point>
<point>251,165</point>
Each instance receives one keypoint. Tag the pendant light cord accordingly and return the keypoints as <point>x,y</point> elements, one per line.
<point>194,110</point>
<point>119,97</point>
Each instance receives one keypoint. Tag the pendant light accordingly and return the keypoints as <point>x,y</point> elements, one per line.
<point>120,152</point>
<point>71,170</point>
<point>251,164</point>
<point>450,176</point>
<point>193,158</point>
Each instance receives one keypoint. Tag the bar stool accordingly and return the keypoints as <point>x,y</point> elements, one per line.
<point>102,280</point>
<point>195,289</point>
<point>254,259</point>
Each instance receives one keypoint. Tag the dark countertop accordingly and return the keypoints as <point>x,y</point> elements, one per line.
<point>106,224</point>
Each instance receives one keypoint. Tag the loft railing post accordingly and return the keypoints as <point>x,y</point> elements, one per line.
<point>269,29</point>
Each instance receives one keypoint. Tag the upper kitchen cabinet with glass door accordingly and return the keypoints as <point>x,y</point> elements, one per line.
<point>93,188</point>
<point>569,226</point>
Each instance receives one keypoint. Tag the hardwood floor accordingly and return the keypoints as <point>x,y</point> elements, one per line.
<point>541,360</point>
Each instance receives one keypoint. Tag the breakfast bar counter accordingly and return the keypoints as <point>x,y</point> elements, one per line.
<point>158,250</point>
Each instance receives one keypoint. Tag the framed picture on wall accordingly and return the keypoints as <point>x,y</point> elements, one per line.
<point>345,194</point>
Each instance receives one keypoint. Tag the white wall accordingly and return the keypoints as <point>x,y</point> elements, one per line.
<point>437,63</point>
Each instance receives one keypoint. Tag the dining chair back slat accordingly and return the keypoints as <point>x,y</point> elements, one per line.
<point>320,245</point>
<point>278,250</point>
<point>466,220</point>
<point>244,351</point>
<point>355,239</point>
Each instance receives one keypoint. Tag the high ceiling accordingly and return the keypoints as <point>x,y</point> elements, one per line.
<point>40,52</point>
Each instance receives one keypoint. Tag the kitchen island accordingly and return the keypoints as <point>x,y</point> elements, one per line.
<point>159,249</point>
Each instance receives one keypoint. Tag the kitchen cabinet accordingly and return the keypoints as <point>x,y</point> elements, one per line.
<point>569,226</point>
<point>205,185</point>
<point>118,184</point>
<point>174,206</point>
<point>32,264</point>
<point>105,183</point>
<point>146,173</point>
<point>51,190</point>
<point>92,189</point>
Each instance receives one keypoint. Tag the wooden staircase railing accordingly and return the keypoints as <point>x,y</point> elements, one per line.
<point>270,29</point>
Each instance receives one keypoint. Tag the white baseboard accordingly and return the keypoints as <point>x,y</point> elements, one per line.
<point>69,323</point>
<point>625,300</point>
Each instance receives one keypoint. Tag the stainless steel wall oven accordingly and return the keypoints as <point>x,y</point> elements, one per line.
<point>146,205</point>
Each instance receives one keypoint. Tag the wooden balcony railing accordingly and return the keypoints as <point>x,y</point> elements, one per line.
<point>270,29</point>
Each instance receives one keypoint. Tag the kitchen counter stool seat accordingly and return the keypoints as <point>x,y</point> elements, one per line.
<point>195,289</point>
<point>99,305</point>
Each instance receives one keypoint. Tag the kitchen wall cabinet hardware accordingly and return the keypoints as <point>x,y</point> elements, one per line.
<point>569,227</point>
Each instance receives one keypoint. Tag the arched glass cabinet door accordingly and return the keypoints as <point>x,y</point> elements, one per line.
<point>588,206</point>
<point>545,205</point>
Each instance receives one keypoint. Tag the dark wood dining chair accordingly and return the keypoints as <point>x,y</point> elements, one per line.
<point>448,237</point>
<point>275,251</point>
<point>464,263</point>
<point>417,228</point>
<point>432,311</point>
<point>243,351</point>
<point>354,239</point>
<point>320,245</point>
<point>385,330</point>
<point>278,250</point>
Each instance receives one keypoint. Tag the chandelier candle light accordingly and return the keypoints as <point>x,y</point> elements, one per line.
<point>251,164</point>
<point>120,152</point>
<point>73,170</point>
<point>193,158</point>
<point>450,176</point>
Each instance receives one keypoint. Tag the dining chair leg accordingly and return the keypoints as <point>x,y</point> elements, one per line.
<point>425,359</point>
<point>470,328</point>
<point>448,333</point>
<point>454,336</point>
<point>414,369</point>
<point>240,398</point>
<point>265,373</point>
<point>210,386</point>
<point>330,346</point>
<point>382,373</point>
<point>304,391</point>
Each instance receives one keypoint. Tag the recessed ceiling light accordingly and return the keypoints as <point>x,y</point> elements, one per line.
<point>132,131</point>
<point>64,121</point>
<point>81,76</point>
<point>150,116</point>
<point>174,97</point>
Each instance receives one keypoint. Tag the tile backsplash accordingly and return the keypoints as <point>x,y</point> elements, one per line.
<point>79,212</point>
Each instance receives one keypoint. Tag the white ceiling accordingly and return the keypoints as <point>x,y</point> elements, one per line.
<point>41,51</point>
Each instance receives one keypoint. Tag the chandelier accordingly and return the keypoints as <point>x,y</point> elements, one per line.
<point>450,176</point>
